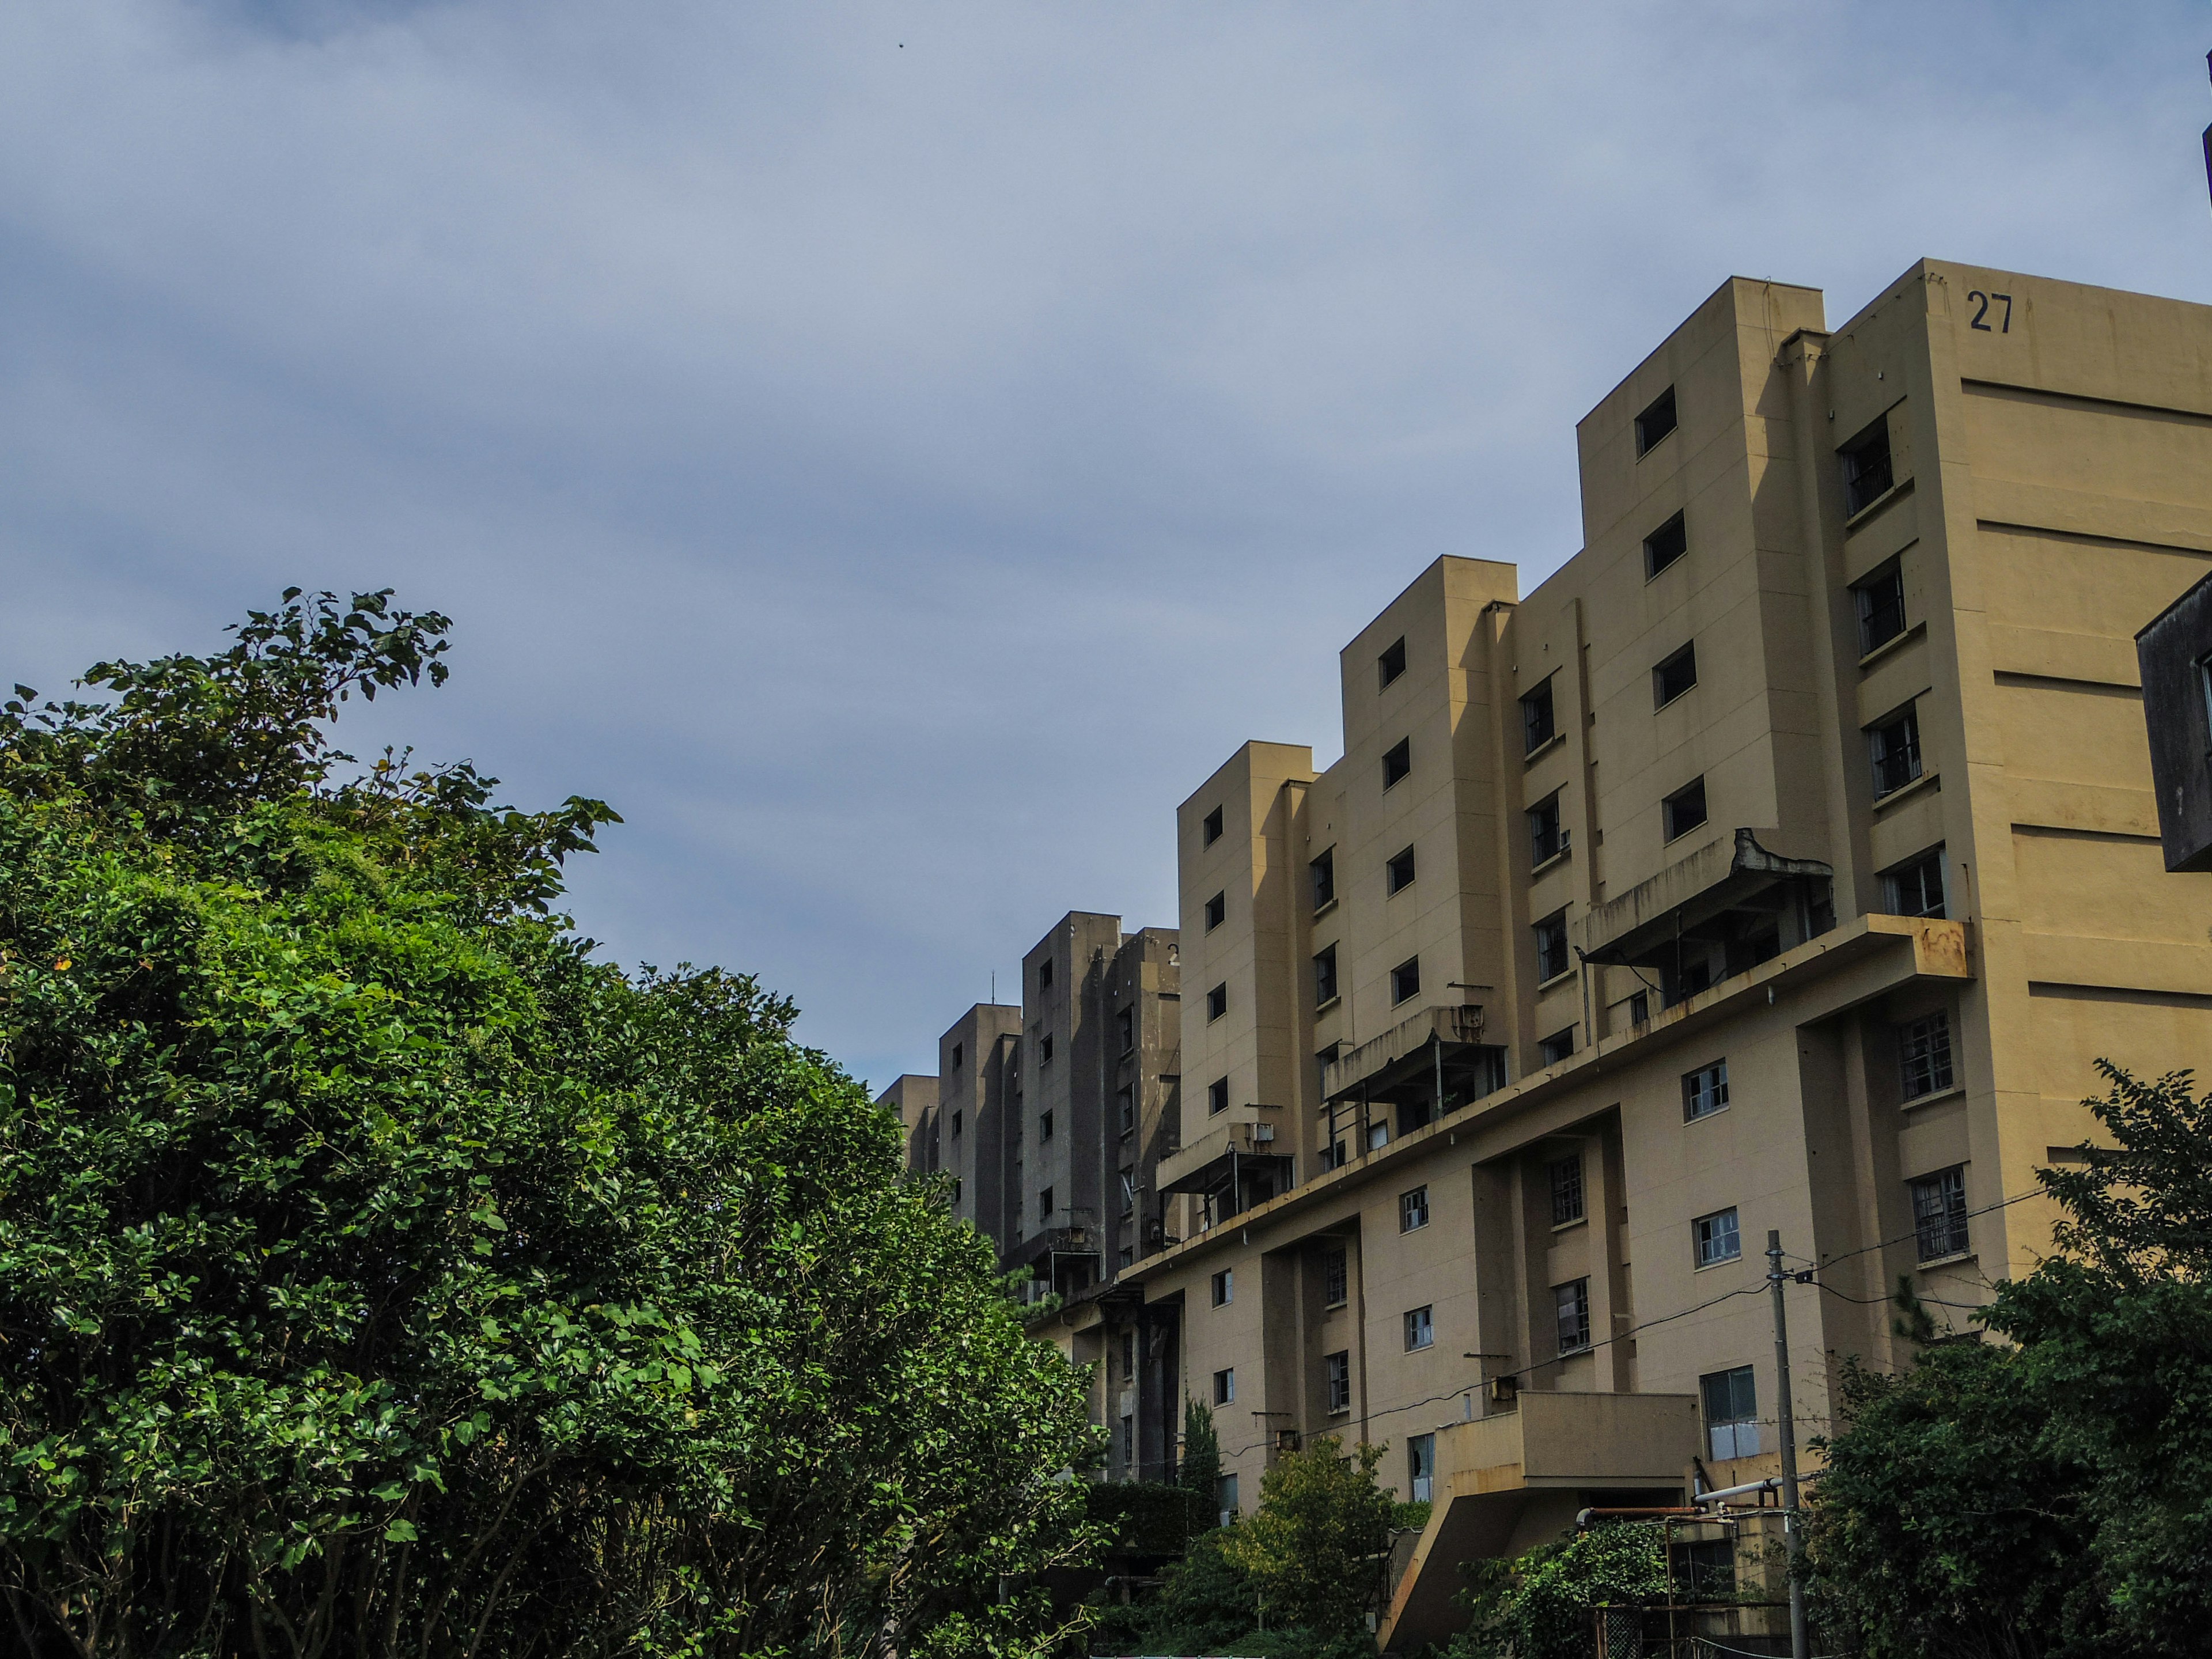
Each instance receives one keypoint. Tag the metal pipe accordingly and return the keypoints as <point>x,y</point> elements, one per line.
<point>1770,1484</point>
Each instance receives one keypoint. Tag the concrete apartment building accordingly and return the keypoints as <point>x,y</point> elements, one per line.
<point>1784,861</point>
<point>1051,1119</point>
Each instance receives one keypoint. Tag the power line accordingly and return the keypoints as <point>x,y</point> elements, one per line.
<point>1903,1238</point>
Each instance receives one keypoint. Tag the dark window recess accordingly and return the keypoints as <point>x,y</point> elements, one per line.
<point>1685,810</point>
<point>1044,975</point>
<point>1548,836</point>
<point>957,1052</point>
<point>1223,1287</point>
<point>1398,874</point>
<point>1323,871</point>
<point>1559,1046</point>
<point>1421,1466</point>
<point>1551,946</point>
<point>1335,1277</point>
<point>1127,1100</point>
<point>1916,888</point>
<point>1217,1095</point>
<point>1536,724</point>
<point>1867,473</point>
<point>1044,1203</point>
<point>1707,1567</point>
<point>1420,1328</point>
<point>1881,602</point>
<point>955,1125</point>
<point>1324,964</point>
<point>1125,1022</point>
<point>1405,980</point>
<point>1413,1210</point>
<point>1704,1090</point>
<point>1398,762</point>
<point>1939,1213</point>
<point>1571,1301</point>
<point>1211,829</point>
<point>1664,545</point>
<point>1654,422</point>
<point>1128,1191</point>
<point>1217,911</point>
<point>1217,1001</point>
<point>1224,1394</point>
<point>1044,1127</point>
<point>1566,1190</point>
<point>1392,662</point>
<point>1640,1008</point>
<point>1924,1055</point>
<point>1731,1404</point>
<point>1044,1049</point>
<point>1338,1367</point>
<point>1674,676</point>
<point>1894,748</point>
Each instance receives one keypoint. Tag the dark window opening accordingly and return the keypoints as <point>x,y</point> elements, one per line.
<point>1572,1302</point>
<point>1398,874</point>
<point>1398,762</point>
<point>1548,836</point>
<point>1338,1367</point>
<point>1044,1049</point>
<point>1537,728</point>
<point>1212,826</point>
<point>1217,1095</point>
<point>1939,1213</point>
<point>1552,946</point>
<point>1405,980</point>
<point>1894,748</point>
<point>1125,1021</point>
<point>1044,1127</point>
<point>1217,911</point>
<point>1923,1053</point>
<point>1731,1413</point>
<point>1915,888</point>
<point>1566,1174</point>
<point>1324,965</point>
<point>1044,1204</point>
<point>1217,1001</point>
<point>1867,474</point>
<point>1674,676</point>
<point>1323,871</point>
<point>1880,601</point>
<point>1392,663</point>
<point>1685,810</point>
<point>1664,545</point>
<point>1126,1098</point>
<point>1559,1046</point>
<point>1654,422</point>
<point>955,1125</point>
<point>958,1050</point>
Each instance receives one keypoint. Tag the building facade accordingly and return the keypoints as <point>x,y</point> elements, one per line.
<point>1051,1119</point>
<point>1781,865</point>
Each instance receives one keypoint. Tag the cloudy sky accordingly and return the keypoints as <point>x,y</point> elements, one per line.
<point>894,453</point>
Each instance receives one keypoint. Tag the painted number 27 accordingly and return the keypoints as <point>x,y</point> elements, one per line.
<point>1981,316</point>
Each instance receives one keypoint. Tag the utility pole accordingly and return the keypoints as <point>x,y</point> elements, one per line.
<point>1792,1533</point>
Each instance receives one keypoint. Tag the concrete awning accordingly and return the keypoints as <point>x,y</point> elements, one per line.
<point>1712,880</point>
<point>1366,1066</point>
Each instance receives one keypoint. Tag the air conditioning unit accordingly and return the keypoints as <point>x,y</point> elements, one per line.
<point>1263,1134</point>
<point>1287,1440</point>
<point>1505,1390</point>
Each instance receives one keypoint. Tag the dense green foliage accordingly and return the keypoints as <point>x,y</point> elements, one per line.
<point>1294,1581</point>
<point>2051,1495</point>
<point>1199,1471</point>
<point>1147,1517</point>
<point>381,1275</point>
<point>1539,1606</point>
<point>1314,1549</point>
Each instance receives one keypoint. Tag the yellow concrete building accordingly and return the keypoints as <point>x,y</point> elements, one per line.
<point>1783,862</point>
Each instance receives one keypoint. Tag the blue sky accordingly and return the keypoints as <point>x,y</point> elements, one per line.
<point>895,452</point>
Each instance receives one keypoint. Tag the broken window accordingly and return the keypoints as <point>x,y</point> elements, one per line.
<point>1548,836</point>
<point>1392,662</point>
<point>1323,871</point>
<point>1566,1174</point>
<point>1881,602</point>
<point>1664,545</point>
<point>1398,874</point>
<point>1324,966</point>
<point>1676,675</point>
<point>1216,910</point>
<point>1867,475</point>
<point>1537,728</point>
<point>1212,827</point>
<point>1397,762</point>
<point>1939,1213</point>
<point>1924,1052</point>
<point>1894,748</point>
<point>1654,422</point>
<point>1571,1303</point>
<point>1552,946</point>
<point>1685,810</point>
<point>1405,980</point>
<point>1704,1090</point>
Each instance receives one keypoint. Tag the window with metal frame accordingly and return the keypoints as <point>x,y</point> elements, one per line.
<point>1880,600</point>
<point>1324,967</point>
<point>1547,835</point>
<point>1893,747</point>
<point>1939,1213</point>
<point>1414,1209</point>
<point>1731,1403</point>
<point>1924,1054</point>
<point>1704,1090</point>
<point>1420,1328</point>
<point>1223,1287</point>
<point>1571,1303</point>
<point>1335,1277</point>
<point>1719,1238</point>
<point>1336,1370</point>
<point>1915,888</point>
<point>1421,1466</point>
<point>1322,870</point>
<point>1537,726</point>
<point>1566,1174</point>
<point>1225,1386</point>
<point>1868,474</point>
<point>1551,933</point>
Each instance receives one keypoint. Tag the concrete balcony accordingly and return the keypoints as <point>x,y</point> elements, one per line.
<point>1507,1482</point>
<point>1240,1157</point>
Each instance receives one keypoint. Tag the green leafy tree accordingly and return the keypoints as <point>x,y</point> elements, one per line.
<point>2051,1495</point>
<point>1541,1605</point>
<point>381,1275</point>
<point>1314,1549</point>
<point>1199,1470</point>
